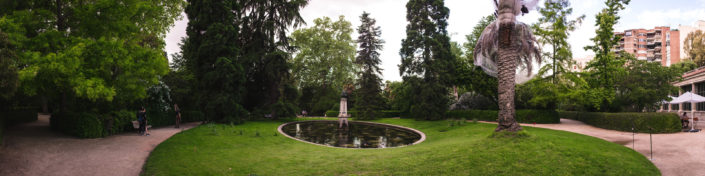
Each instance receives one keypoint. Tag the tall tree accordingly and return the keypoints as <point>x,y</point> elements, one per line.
<point>107,52</point>
<point>606,66</point>
<point>211,50</point>
<point>694,46</point>
<point>553,30</point>
<point>265,50</point>
<point>326,53</point>
<point>9,80</point>
<point>324,62</point>
<point>504,45</point>
<point>238,52</point>
<point>369,95</point>
<point>426,58</point>
<point>474,78</point>
<point>644,85</point>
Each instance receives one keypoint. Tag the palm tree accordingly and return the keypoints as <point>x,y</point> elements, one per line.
<point>504,45</point>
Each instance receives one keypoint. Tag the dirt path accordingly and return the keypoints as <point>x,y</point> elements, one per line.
<point>33,149</point>
<point>674,154</point>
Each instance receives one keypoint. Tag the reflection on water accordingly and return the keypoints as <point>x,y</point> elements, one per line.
<point>356,135</point>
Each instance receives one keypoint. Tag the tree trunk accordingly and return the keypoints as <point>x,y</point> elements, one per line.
<point>508,55</point>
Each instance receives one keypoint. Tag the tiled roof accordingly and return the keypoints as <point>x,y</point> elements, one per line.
<point>694,72</point>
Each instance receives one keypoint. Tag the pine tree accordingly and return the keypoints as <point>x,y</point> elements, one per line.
<point>369,95</point>
<point>211,52</point>
<point>425,54</point>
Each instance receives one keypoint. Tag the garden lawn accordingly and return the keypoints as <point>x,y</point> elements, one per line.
<point>467,149</point>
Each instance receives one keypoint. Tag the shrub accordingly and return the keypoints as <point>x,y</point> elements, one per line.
<point>660,122</point>
<point>390,113</point>
<point>119,121</point>
<point>522,115</point>
<point>483,115</point>
<point>382,114</point>
<point>84,124</point>
<point>2,128</point>
<point>17,115</point>
<point>192,116</point>
<point>331,113</point>
<point>159,118</point>
<point>537,116</point>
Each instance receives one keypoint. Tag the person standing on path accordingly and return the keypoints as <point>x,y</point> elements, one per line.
<point>178,115</point>
<point>143,121</point>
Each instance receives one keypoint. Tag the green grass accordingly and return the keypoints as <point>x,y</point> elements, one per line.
<point>468,149</point>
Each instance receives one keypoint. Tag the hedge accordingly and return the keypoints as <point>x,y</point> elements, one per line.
<point>2,128</point>
<point>83,124</point>
<point>660,122</point>
<point>159,119</point>
<point>522,115</point>
<point>192,116</point>
<point>383,114</point>
<point>91,125</point>
<point>331,113</point>
<point>119,121</point>
<point>18,115</point>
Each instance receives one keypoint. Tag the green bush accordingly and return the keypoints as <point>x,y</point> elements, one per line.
<point>2,128</point>
<point>390,113</point>
<point>382,114</point>
<point>482,115</point>
<point>660,122</point>
<point>331,113</point>
<point>119,121</point>
<point>17,115</point>
<point>522,115</point>
<point>83,124</point>
<point>192,116</point>
<point>537,116</point>
<point>158,118</point>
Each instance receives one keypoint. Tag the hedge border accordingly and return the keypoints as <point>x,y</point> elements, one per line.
<point>641,121</point>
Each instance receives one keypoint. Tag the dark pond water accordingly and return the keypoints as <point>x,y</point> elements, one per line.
<point>356,135</point>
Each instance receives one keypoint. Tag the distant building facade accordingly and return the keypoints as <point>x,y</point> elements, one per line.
<point>693,81</point>
<point>660,44</point>
<point>685,30</point>
<point>581,63</point>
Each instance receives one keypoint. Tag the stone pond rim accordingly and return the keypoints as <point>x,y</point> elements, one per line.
<point>423,135</point>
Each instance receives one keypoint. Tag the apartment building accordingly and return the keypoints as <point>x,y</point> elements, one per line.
<point>685,30</point>
<point>581,63</point>
<point>660,44</point>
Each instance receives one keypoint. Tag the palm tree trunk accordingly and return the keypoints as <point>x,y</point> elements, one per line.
<point>508,56</point>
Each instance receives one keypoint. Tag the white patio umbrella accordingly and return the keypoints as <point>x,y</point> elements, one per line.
<point>689,97</point>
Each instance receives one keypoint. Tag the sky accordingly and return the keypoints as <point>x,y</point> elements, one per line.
<point>464,15</point>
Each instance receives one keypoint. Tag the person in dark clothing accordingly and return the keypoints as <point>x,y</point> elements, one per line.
<point>142,117</point>
<point>178,115</point>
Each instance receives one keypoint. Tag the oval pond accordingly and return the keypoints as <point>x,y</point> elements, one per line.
<point>355,135</point>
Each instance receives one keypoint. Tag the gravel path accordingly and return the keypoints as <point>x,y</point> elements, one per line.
<point>33,149</point>
<point>674,154</point>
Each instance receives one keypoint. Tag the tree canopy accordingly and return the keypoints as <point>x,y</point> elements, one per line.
<point>104,51</point>
<point>606,66</point>
<point>426,60</point>
<point>369,97</point>
<point>694,46</point>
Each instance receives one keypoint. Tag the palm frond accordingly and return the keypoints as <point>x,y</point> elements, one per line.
<point>528,46</point>
<point>486,54</point>
<point>486,49</point>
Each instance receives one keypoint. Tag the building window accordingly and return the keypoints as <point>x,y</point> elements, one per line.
<point>686,88</point>
<point>700,90</point>
<point>675,107</point>
<point>628,33</point>
<point>641,40</point>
